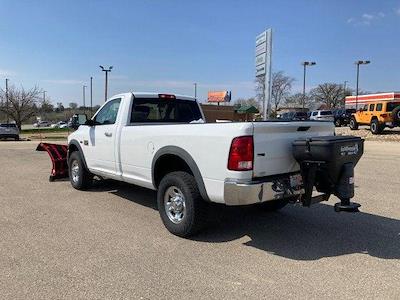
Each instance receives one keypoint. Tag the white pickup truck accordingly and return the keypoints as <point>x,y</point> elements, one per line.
<point>160,142</point>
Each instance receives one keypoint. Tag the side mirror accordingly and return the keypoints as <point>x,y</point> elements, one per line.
<point>77,120</point>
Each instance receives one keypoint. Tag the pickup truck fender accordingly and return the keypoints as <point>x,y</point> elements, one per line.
<point>74,145</point>
<point>187,159</point>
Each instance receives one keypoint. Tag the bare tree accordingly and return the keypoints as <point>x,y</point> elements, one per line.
<point>330,94</point>
<point>296,100</point>
<point>248,102</point>
<point>281,87</point>
<point>21,103</point>
<point>73,105</point>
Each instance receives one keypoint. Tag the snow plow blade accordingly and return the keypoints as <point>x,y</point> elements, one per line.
<point>58,156</point>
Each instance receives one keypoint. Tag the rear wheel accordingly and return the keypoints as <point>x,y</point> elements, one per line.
<point>376,128</point>
<point>181,207</point>
<point>338,123</point>
<point>353,124</point>
<point>79,176</point>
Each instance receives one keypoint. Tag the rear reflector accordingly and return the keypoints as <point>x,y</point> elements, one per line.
<point>384,115</point>
<point>166,96</point>
<point>241,154</point>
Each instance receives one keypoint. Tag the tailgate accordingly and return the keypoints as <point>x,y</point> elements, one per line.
<point>273,144</point>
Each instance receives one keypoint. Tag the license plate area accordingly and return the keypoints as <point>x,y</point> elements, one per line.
<point>296,181</point>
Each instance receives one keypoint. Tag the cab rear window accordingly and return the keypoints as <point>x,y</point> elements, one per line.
<point>157,110</point>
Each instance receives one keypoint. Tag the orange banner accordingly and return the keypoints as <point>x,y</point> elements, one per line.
<point>219,96</point>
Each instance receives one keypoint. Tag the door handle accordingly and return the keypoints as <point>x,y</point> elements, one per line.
<point>108,134</point>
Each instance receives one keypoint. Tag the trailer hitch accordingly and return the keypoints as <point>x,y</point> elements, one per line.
<point>58,155</point>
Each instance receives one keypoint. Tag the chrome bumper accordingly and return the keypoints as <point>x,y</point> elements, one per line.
<point>238,192</point>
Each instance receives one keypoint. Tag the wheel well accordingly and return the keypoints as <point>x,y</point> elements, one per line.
<point>169,163</point>
<point>72,148</point>
<point>374,118</point>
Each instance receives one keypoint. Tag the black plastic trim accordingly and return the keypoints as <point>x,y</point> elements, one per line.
<point>76,143</point>
<point>187,158</point>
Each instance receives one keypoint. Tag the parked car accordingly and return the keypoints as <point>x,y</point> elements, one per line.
<point>158,141</point>
<point>322,115</point>
<point>9,131</point>
<point>377,115</point>
<point>342,116</point>
<point>60,124</point>
<point>294,116</point>
<point>42,124</point>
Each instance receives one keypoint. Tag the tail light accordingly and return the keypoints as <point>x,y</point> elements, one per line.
<point>166,96</point>
<point>241,154</point>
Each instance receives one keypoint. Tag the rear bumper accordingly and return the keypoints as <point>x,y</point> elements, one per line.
<point>237,192</point>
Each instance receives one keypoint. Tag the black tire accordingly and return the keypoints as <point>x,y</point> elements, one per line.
<point>353,124</point>
<point>194,213</point>
<point>376,128</point>
<point>396,115</point>
<point>274,205</point>
<point>79,177</point>
<point>338,123</point>
<point>16,138</point>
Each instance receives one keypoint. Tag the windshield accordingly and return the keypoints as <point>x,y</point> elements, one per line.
<point>157,110</point>
<point>326,113</point>
<point>8,125</point>
<point>392,105</point>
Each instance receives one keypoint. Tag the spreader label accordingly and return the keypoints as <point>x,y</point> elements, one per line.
<point>349,150</point>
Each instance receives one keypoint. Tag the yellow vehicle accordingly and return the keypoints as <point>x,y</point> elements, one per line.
<point>377,115</point>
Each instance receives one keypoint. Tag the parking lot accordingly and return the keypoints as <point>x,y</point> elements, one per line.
<point>109,242</point>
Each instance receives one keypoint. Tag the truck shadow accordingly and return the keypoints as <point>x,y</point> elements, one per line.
<point>294,232</point>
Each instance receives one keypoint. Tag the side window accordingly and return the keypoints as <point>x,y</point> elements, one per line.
<point>314,113</point>
<point>379,107</point>
<point>108,114</point>
<point>365,107</point>
<point>371,107</point>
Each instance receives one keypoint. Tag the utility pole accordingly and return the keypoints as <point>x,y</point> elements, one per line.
<point>83,96</point>
<point>8,118</point>
<point>195,90</point>
<point>305,64</point>
<point>358,63</point>
<point>91,96</point>
<point>44,96</point>
<point>106,83</point>
<point>344,89</point>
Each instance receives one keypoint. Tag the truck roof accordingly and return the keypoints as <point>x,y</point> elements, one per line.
<point>156,95</point>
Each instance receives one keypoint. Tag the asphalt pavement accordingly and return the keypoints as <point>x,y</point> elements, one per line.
<point>109,242</point>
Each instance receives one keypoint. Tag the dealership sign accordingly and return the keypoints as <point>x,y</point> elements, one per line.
<point>263,56</point>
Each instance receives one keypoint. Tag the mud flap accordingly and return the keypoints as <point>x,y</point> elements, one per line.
<point>58,156</point>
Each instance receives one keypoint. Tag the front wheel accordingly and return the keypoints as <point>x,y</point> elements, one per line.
<point>353,124</point>
<point>376,128</point>
<point>79,176</point>
<point>181,207</point>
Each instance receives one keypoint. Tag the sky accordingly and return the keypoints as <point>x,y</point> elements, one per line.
<point>166,46</point>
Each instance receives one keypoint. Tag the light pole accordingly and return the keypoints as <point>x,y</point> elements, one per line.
<point>44,96</point>
<point>195,90</point>
<point>91,96</point>
<point>358,63</point>
<point>106,84</point>
<point>8,118</point>
<point>344,90</point>
<point>83,96</point>
<point>305,64</point>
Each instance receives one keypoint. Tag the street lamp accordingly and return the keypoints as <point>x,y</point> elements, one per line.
<point>358,63</point>
<point>8,118</point>
<point>83,96</point>
<point>305,64</point>
<point>91,96</point>
<point>195,90</point>
<point>106,84</point>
